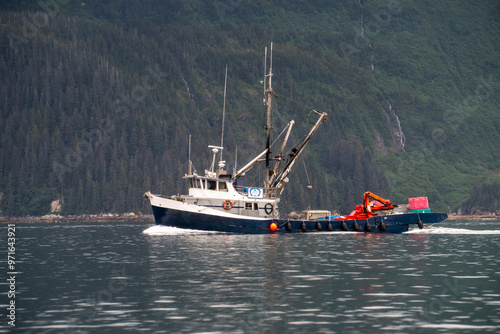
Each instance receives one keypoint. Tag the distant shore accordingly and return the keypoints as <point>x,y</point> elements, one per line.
<point>133,217</point>
<point>474,217</point>
<point>88,218</point>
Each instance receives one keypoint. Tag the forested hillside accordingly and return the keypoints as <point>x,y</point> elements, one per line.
<point>98,98</point>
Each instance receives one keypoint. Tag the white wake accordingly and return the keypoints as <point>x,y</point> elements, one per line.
<point>170,230</point>
<point>450,230</point>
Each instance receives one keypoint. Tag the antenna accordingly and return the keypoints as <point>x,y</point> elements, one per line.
<point>265,73</point>
<point>190,167</point>
<point>271,66</point>
<point>223,115</point>
<point>235,160</point>
<point>215,150</point>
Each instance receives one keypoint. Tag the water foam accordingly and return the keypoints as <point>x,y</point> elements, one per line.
<point>170,230</point>
<point>450,230</point>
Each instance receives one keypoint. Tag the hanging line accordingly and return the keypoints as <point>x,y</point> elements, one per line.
<point>305,169</point>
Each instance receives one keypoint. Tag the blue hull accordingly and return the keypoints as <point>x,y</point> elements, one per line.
<point>382,224</point>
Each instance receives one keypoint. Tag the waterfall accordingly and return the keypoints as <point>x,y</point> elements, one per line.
<point>363,34</point>
<point>399,134</point>
<point>188,90</point>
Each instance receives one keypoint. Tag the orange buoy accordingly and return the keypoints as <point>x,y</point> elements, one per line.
<point>273,227</point>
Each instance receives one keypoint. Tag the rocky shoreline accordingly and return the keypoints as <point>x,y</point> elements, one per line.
<point>88,218</point>
<point>481,217</point>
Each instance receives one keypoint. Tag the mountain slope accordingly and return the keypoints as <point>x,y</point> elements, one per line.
<point>98,99</point>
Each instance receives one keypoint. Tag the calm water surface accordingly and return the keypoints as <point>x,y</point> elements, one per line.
<point>141,278</point>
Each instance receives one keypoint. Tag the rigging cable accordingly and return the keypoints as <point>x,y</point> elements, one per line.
<point>165,179</point>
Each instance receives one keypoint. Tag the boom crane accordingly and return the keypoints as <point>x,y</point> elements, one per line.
<point>369,207</point>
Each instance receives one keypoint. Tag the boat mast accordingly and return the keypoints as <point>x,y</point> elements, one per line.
<point>190,165</point>
<point>279,157</point>
<point>268,94</point>
<point>223,115</point>
<point>282,178</point>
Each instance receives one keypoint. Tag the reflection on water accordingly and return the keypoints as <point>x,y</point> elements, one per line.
<point>128,277</point>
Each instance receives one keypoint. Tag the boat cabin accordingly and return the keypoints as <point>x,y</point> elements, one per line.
<point>223,194</point>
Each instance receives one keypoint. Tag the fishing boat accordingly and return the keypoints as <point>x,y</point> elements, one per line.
<point>218,200</point>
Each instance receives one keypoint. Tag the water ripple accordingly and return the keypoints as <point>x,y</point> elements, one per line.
<point>126,278</point>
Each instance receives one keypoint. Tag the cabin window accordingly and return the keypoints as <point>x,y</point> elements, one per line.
<point>222,186</point>
<point>248,206</point>
<point>211,185</point>
<point>194,183</point>
<point>255,206</point>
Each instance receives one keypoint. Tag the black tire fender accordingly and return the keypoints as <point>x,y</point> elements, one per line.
<point>382,226</point>
<point>420,224</point>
